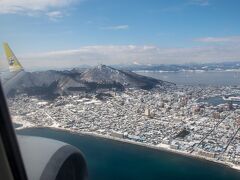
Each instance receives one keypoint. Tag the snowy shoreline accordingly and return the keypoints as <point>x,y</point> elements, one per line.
<point>160,147</point>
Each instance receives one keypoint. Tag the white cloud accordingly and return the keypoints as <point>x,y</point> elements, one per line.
<point>229,39</point>
<point>35,7</point>
<point>54,15</point>
<point>118,27</point>
<point>186,4</point>
<point>127,54</point>
<point>200,2</point>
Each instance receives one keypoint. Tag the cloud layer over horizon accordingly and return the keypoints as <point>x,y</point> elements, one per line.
<point>131,54</point>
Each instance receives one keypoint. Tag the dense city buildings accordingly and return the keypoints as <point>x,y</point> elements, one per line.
<point>191,120</point>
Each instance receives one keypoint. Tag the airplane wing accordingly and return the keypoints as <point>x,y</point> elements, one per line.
<point>16,70</point>
<point>14,64</point>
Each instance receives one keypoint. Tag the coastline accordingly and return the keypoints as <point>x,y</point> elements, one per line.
<point>159,147</point>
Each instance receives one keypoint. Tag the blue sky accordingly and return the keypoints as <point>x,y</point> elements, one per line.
<point>72,32</point>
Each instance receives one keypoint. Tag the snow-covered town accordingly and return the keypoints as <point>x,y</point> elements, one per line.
<point>186,119</point>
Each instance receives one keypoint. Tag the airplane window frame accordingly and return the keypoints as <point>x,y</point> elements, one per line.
<point>9,141</point>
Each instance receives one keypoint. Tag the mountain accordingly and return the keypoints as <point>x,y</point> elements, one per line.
<point>101,77</point>
<point>221,66</point>
<point>103,74</point>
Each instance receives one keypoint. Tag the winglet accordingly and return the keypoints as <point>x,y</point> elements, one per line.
<point>14,64</point>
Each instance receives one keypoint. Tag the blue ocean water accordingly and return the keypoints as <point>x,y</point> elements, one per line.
<point>112,160</point>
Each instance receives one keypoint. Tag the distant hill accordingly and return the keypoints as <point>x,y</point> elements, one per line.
<point>182,67</point>
<point>89,80</point>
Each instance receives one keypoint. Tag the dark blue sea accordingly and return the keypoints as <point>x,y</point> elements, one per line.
<point>112,160</point>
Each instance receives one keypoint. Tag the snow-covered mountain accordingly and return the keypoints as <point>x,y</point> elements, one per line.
<point>92,79</point>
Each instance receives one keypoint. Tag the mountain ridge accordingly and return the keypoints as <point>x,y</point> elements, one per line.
<point>101,77</point>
